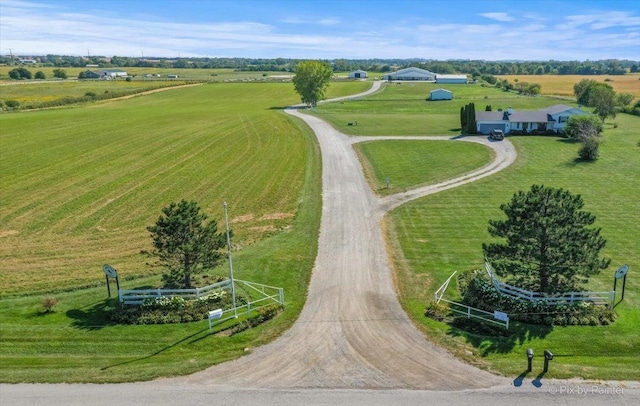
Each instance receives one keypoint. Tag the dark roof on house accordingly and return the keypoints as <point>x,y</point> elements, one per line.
<point>489,115</point>
<point>558,108</point>
<point>537,116</point>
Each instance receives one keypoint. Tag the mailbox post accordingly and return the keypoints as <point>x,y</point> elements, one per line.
<point>548,356</point>
<point>529,359</point>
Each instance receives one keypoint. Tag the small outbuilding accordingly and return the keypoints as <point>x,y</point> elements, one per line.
<point>358,74</point>
<point>440,94</point>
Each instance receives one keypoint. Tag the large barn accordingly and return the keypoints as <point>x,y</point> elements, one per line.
<point>411,74</point>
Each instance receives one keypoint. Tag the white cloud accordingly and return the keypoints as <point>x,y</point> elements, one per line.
<point>503,17</point>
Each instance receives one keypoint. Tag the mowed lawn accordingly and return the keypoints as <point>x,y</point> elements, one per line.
<point>403,109</point>
<point>439,234</point>
<point>431,162</point>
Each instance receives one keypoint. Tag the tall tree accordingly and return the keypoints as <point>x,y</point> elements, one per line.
<point>603,101</point>
<point>183,244</point>
<point>471,119</point>
<point>549,246</point>
<point>311,80</point>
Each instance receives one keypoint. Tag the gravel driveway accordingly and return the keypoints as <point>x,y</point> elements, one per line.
<point>352,332</point>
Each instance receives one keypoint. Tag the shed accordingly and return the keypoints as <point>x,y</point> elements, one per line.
<point>440,94</point>
<point>358,74</point>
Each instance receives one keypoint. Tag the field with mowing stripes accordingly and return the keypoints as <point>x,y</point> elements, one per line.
<point>80,185</point>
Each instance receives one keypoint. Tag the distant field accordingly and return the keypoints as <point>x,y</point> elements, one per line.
<point>562,85</point>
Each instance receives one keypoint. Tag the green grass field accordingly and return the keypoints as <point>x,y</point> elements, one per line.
<point>443,233</point>
<point>403,109</point>
<point>431,162</point>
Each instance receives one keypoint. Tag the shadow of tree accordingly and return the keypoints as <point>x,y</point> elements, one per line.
<point>92,317</point>
<point>489,339</point>
<point>191,336</point>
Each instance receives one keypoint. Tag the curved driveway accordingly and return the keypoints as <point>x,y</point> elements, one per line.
<point>352,332</point>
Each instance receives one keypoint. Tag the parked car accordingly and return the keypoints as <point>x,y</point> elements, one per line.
<point>497,135</point>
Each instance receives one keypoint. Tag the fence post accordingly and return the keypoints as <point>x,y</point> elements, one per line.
<point>158,292</point>
<point>468,312</point>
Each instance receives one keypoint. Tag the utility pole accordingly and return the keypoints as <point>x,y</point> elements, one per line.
<point>233,284</point>
<point>11,54</point>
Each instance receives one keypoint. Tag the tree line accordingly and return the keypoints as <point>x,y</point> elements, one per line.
<point>470,67</point>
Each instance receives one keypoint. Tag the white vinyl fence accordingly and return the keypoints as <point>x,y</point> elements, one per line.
<point>600,298</point>
<point>499,318</point>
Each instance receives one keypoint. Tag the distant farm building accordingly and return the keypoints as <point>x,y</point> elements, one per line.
<point>172,76</point>
<point>440,94</point>
<point>411,74</point>
<point>358,74</point>
<point>112,73</point>
<point>451,79</point>
<point>89,74</point>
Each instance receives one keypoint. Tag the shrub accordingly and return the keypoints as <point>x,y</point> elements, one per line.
<point>477,291</point>
<point>12,104</point>
<point>167,309</point>
<point>589,150</point>
<point>48,303</point>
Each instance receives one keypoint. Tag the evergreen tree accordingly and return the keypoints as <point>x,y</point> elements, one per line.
<point>549,247</point>
<point>183,244</point>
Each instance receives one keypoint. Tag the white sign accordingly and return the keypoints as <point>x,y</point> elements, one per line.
<point>500,316</point>
<point>622,271</point>
<point>110,271</point>
<point>215,314</point>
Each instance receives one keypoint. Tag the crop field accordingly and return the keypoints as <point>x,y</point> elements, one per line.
<point>33,93</point>
<point>562,85</point>
<point>442,233</point>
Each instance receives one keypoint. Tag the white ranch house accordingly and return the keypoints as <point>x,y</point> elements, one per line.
<point>552,118</point>
<point>440,94</point>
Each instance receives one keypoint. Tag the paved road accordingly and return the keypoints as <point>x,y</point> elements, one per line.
<point>353,343</point>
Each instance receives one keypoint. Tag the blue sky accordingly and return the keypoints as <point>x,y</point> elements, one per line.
<point>325,29</point>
